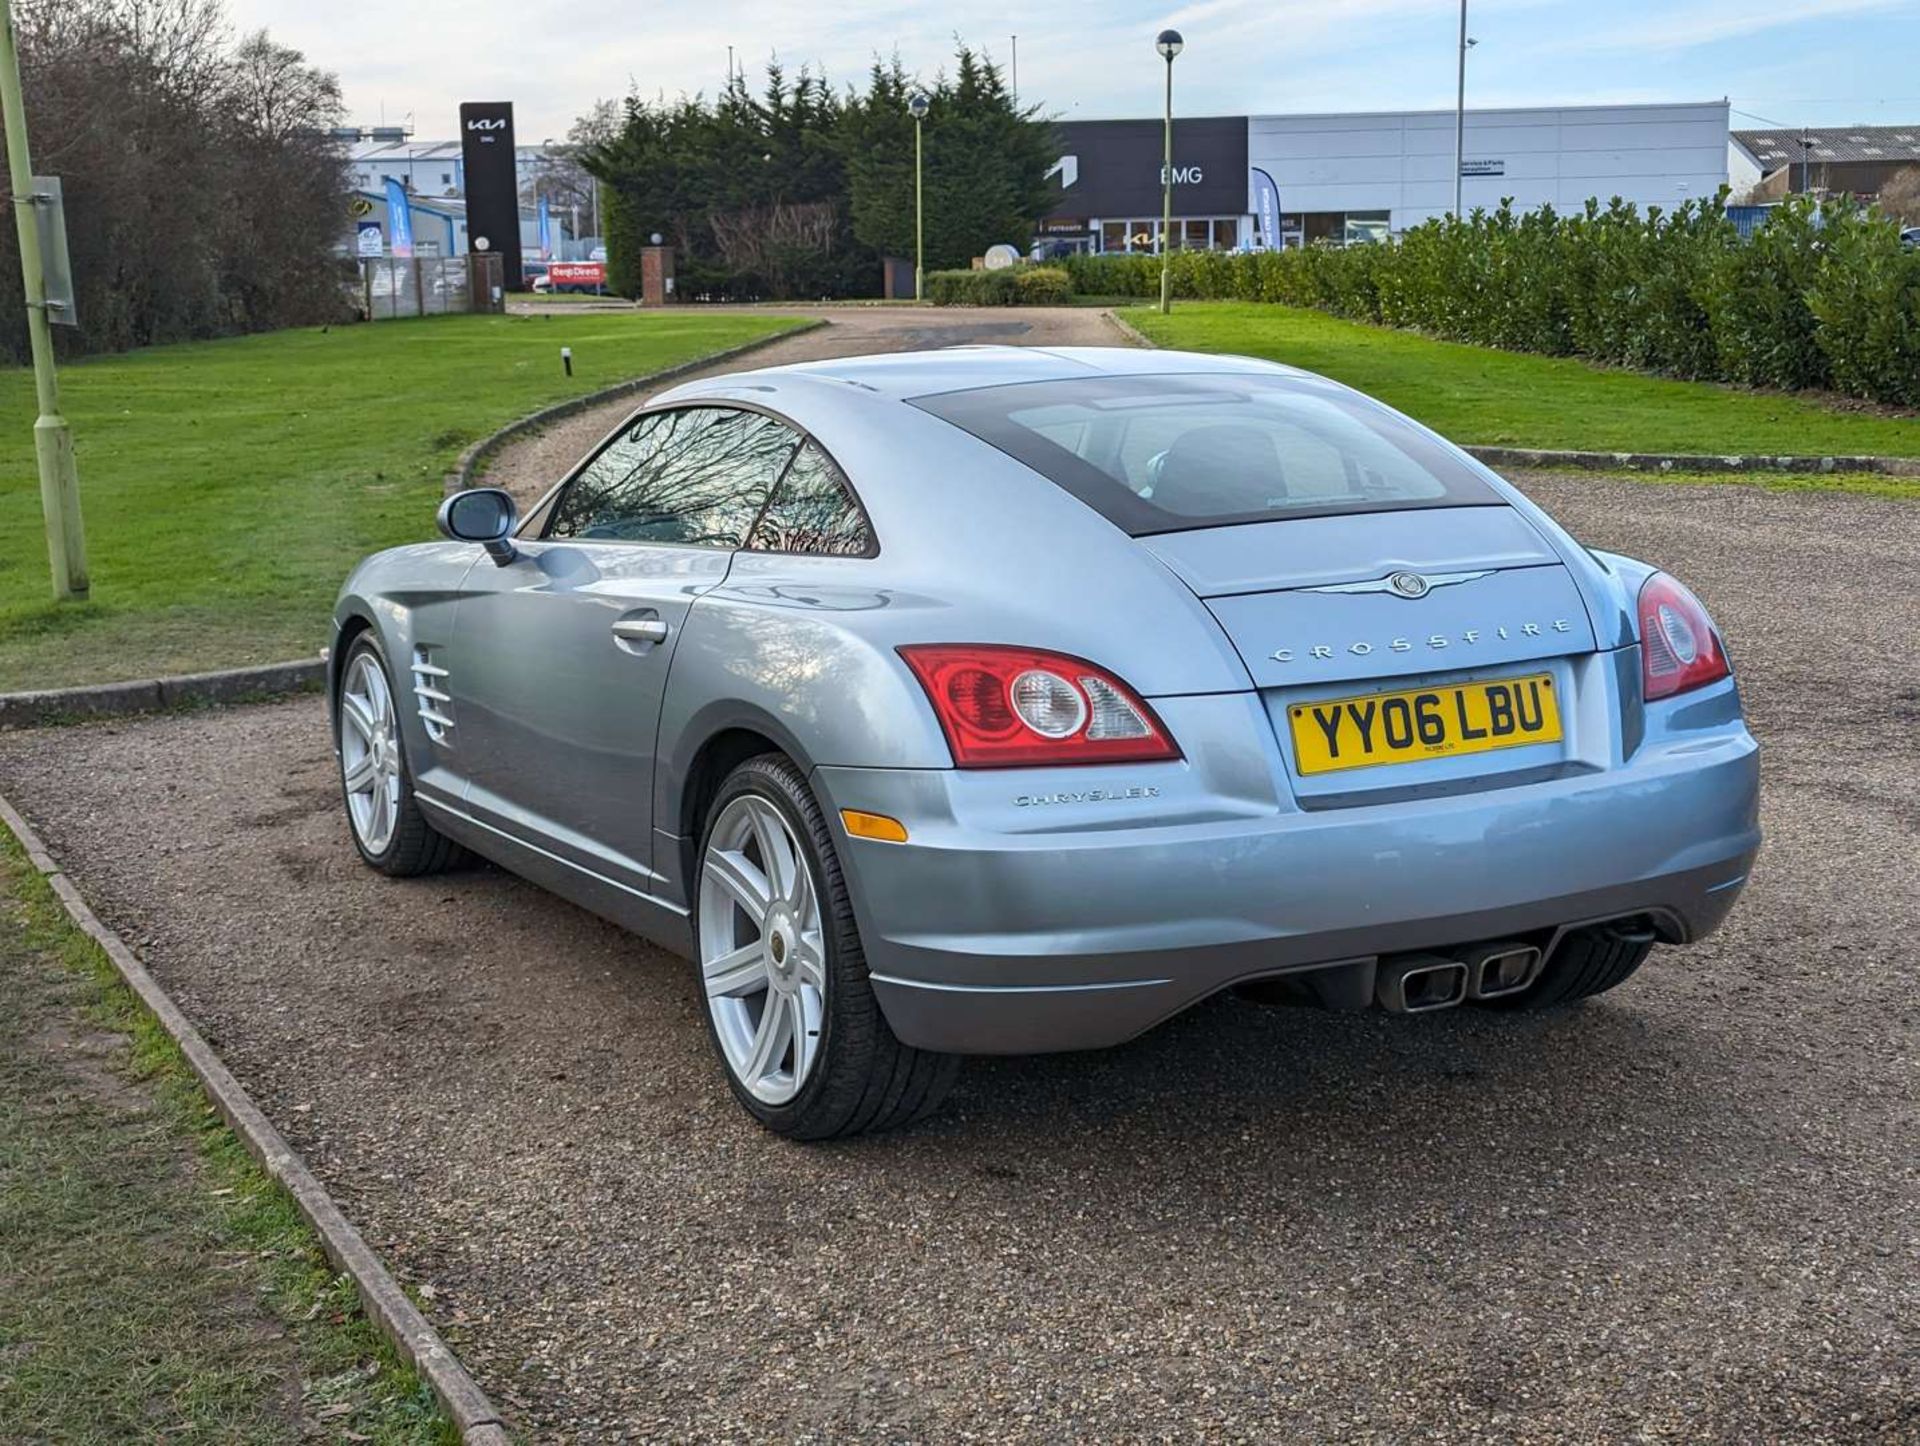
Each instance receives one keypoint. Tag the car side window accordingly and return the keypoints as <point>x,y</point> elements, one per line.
<point>813,510</point>
<point>690,475</point>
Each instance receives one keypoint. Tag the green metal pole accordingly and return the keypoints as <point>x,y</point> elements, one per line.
<point>1166,205</point>
<point>919,221</point>
<point>52,440</point>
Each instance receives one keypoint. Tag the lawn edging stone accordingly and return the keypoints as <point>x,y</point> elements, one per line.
<point>158,695</point>
<point>467,470</point>
<point>386,1304</point>
<point>1549,459</point>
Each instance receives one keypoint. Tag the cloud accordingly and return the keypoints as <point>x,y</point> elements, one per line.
<point>1685,27</point>
<point>1079,58</point>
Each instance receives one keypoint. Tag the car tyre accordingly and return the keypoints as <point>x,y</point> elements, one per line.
<point>851,1075</point>
<point>376,782</point>
<point>1588,961</point>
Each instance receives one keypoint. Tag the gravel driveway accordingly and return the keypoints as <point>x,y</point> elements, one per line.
<point>1688,1211</point>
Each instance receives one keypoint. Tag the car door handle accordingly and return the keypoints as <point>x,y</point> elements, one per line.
<point>640,630</point>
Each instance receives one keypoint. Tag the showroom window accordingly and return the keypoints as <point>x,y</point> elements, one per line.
<point>1190,233</point>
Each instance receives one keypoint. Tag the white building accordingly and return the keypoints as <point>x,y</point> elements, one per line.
<point>1387,171</point>
<point>427,168</point>
<point>434,176</point>
<point>1362,176</point>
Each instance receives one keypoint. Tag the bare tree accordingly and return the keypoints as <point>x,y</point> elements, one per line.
<point>562,179</point>
<point>202,194</point>
<point>275,95</point>
<point>1900,196</point>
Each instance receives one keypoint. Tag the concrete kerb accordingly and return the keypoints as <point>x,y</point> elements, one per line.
<point>1550,460</point>
<point>154,695</point>
<point>466,471</point>
<point>1133,334</point>
<point>386,1304</point>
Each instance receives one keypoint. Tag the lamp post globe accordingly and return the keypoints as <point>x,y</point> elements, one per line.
<point>1169,44</point>
<point>917,107</point>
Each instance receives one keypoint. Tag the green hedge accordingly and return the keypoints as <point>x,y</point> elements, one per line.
<point>1821,296</point>
<point>1010,286</point>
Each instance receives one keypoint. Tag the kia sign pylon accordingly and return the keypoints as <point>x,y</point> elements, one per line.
<point>493,185</point>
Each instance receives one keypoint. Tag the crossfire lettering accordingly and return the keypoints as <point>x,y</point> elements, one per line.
<point>1433,640</point>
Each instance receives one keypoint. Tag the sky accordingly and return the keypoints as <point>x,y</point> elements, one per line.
<point>1805,62</point>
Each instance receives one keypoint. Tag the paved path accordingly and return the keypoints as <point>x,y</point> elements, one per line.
<point>1687,1212</point>
<point>528,466</point>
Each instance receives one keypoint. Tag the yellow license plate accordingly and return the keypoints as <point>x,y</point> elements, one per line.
<point>1376,728</point>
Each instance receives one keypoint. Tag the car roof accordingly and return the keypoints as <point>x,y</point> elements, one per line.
<point>909,374</point>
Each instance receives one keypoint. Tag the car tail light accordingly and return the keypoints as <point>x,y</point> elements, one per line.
<point>1007,707</point>
<point>1679,649</point>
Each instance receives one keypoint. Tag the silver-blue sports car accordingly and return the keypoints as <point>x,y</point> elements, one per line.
<point>1001,700</point>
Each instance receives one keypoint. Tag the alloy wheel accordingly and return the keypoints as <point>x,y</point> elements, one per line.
<point>370,753</point>
<point>762,949</point>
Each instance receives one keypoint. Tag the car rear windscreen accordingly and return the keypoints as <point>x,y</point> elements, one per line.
<point>1172,453</point>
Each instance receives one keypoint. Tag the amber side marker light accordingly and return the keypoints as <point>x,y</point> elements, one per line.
<point>873,825</point>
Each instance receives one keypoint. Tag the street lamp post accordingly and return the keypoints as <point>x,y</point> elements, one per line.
<point>1460,113</point>
<point>917,104</point>
<point>52,438</point>
<point>1169,44</point>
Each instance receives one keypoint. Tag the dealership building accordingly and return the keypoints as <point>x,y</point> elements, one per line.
<point>1244,182</point>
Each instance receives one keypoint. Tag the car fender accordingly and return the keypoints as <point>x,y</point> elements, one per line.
<point>407,595</point>
<point>789,661</point>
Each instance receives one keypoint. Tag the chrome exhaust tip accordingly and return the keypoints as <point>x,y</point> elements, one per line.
<point>1497,970</point>
<point>1420,983</point>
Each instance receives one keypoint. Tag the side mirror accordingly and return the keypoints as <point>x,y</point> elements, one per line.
<point>485,515</point>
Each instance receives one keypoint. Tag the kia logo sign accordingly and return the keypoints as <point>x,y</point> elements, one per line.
<point>499,123</point>
<point>1184,175</point>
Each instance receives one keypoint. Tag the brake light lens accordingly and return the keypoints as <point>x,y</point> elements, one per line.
<point>1004,707</point>
<point>1679,650</point>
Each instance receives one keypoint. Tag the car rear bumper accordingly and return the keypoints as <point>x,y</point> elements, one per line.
<point>983,940</point>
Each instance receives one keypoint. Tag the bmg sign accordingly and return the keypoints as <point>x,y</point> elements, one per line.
<point>1116,169</point>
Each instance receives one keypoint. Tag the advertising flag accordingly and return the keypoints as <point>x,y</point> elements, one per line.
<point>546,230</point>
<point>1266,209</point>
<point>399,218</point>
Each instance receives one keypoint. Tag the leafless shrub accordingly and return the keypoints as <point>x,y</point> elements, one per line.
<point>1900,197</point>
<point>202,194</point>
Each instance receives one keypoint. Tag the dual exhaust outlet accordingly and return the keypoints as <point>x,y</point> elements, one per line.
<point>1422,983</point>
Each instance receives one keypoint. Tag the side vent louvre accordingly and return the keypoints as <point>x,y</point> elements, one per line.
<point>429,691</point>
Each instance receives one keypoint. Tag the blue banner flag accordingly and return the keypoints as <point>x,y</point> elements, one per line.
<point>1266,208</point>
<point>546,230</point>
<point>399,218</point>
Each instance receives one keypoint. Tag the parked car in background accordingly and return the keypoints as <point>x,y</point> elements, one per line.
<point>998,700</point>
<point>1910,238</point>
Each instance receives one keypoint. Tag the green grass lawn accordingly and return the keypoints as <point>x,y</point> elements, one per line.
<point>228,486</point>
<point>1475,395</point>
<point>154,1285</point>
